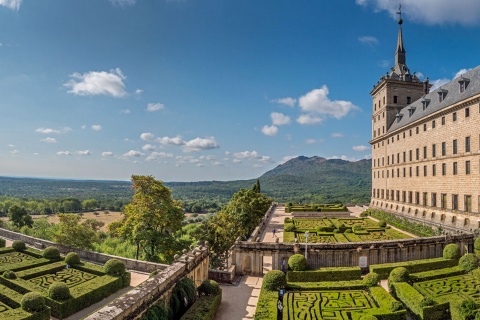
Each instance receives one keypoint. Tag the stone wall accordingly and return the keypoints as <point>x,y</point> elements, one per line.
<point>101,258</point>
<point>263,224</point>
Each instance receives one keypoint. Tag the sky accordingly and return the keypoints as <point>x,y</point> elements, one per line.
<point>200,90</point>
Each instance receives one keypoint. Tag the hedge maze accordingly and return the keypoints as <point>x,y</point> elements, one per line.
<point>463,286</point>
<point>71,277</point>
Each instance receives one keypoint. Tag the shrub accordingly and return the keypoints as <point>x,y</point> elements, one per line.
<point>364,214</point>
<point>273,280</point>
<point>19,245</point>
<point>297,262</point>
<point>395,306</point>
<point>33,302</point>
<point>467,309</point>
<point>426,302</point>
<point>468,262</point>
<point>371,279</point>
<point>114,267</point>
<point>72,258</point>
<point>357,227</point>
<point>382,223</point>
<point>476,244</point>
<point>9,275</point>
<point>126,278</point>
<point>209,288</point>
<point>368,317</point>
<point>476,273</point>
<point>2,243</point>
<point>51,253</point>
<point>399,274</point>
<point>59,291</point>
<point>451,251</point>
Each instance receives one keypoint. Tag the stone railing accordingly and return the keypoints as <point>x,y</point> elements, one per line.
<point>257,232</point>
<point>221,275</point>
<point>101,258</point>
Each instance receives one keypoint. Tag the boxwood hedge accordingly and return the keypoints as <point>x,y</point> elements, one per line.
<point>325,274</point>
<point>384,269</point>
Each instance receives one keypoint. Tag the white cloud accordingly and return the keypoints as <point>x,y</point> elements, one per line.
<point>64,153</point>
<point>270,130</point>
<point>133,153</point>
<point>176,141</point>
<point>11,145</point>
<point>285,101</point>
<point>237,161</point>
<point>152,107</point>
<point>53,131</point>
<point>49,140</point>
<point>84,152</point>
<point>265,159</point>
<point>287,158</point>
<point>138,92</point>
<point>370,40</point>
<point>123,3</point>
<point>460,72</point>
<point>11,4</point>
<point>360,148</point>
<point>84,126</point>
<point>431,12</point>
<point>279,119</point>
<point>198,144</point>
<point>147,136</point>
<point>308,119</point>
<point>125,111</point>
<point>310,141</point>
<point>96,127</point>
<point>159,155</point>
<point>200,165</point>
<point>250,155</point>
<point>317,101</point>
<point>148,147</point>
<point>440,82</point>
<point>217,164</point>
<point>337,135</point>
<point>256,165</point>
<point>107,154</point>
<point>109,83</point>
<point>15,152</point>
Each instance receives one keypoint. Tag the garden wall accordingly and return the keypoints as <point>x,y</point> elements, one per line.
<point>263,224</point>
<point>130,264</point>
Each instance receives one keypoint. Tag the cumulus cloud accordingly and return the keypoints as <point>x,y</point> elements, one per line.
<point>285,101</point>
<point>107,154</point>
<point>309,119</point>
<point>176,141</point>
<point>123,3</point>
<point>370,40</point>
<point>133,153</point>
<point>337,135</point>
<point>360,148</point>
<point>250,155</point>
<point>159,155</point>
<point>138,92</point>
<point>64,153</point>
<point>84,152</point>
<point>279,119</point>
<point>15,152</point>
<point>11,4</point>
<point>96,127</point>
<point>152,107</point>
<point>431,12</point>
<point>198,144</point>
<point>110,83</point>
<point>310,141</point>
<point>437,83</point>
<point>287,158</point>
<point>217,164</point>
<point>53,131</point>
<point>317,101</point>
<point>49,140</point>
<point>237,161</point>
<point>147,136</point>
<point>148,147</point>
<point>270,130</point>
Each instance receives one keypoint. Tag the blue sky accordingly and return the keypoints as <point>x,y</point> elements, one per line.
<point>191,90</point>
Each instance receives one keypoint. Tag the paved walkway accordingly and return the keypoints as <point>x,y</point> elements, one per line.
<point>239,302</point>
<point>276,221</point>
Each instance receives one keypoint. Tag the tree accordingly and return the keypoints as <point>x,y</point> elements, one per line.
<point>72,233</point>
<point>256,186</point>
<point>151,218</point>
<point>19,217</point>
<point>89,204</point>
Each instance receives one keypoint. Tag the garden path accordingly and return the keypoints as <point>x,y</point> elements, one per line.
<point>239,301</point>
<point>276,221</point>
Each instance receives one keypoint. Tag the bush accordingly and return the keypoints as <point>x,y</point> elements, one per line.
<point>451,251</point>
<point>348,231</point>
<point>382,223</point>
<point>468,262</point>
<point>395,306</point>
<point>204,308</point>
<point>336,231</point>
<point>9,275</point>
<point>126,278</point>
<point>72,258</point>
<point>33,302</point>
<point>476,244</point>
<point>325,274</point>
<point>19,245</point>
<point>399,274</point>
<point>114,267</point>
<point>297,262</point>
<point>209,288</point>
<point>426,302</point>
<point>59,291</point>
<point>467,309</point>
<point>2,243</point>
<point>476,273</point>
<point>273,280</point>
<point>371,279</point>
<point>51,253</point>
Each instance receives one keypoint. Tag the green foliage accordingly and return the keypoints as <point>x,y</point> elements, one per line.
<point>273,280</point>
<point>33,302</point>
<point>436,274</point>
<point>382,223</point>
<point>297,262</point>
<point>114,267</point>
<point>126,279</point>
<point>19,217</point>
<point>72,258</point>
<point>475,273</point>
<point>72,233</point>
<point>19,245</point>
<point>325,274</point>
<point>8,274</point>
<point>209,288</point>
<point>384,269</point>
<point>468,262</point>
<point>266,305</point>
<point>451,251</point>
<point>368,317</point>
<point>183,296</point>
<point>2,243</point>
<point>59,291</point>
<point>476,244</point>
<point>467,309</point>
<point>256,186</point>
<point>289,227</point>
<point>426,302</point>
<point>204,308</point>
<point>371,279</point>
<point>395,306</point>
<point>399,274</point>
<point>51,253</point>
<point>403,223</point>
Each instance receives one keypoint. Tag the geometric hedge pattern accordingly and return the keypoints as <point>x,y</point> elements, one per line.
<point>14,257</point>
<point>3,307</point>
<point>465,286</point>
<point>71,277</point>
<point>331,305</point>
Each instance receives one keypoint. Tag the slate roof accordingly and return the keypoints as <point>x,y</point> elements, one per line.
<point>452,95</point>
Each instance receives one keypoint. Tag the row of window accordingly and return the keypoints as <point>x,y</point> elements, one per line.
<point>376,174</point>
<point>423,198</point>
<point>403,159</point>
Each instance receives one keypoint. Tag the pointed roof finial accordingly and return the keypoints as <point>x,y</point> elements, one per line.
<point>399,12</point>
<point>400,54</point>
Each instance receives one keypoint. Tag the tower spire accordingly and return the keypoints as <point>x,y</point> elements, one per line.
<point>400,54</point>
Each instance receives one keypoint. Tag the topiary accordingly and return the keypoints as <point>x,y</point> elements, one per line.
<point>72,258</point>
<point>382,223</point>
<point>468,262</point>
<point>297,262</point>
<point>371,279</point>
<point>399,274</point>
<point>33,302</point>
<point>19,245</point>
<point>126,279</point>
<point>357,227</point>
<point>426,302</point>
<point>2,243</point>
<point>114,267</point>
<point>451,251</point>
<point>8,274</point>
<point>364,214</point>
<point>209,288</point>
<point>59,291</point>
<point>51,253</point>
<point>274,279</point>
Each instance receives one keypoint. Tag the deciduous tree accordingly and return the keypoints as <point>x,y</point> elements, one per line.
<point>19,216</point>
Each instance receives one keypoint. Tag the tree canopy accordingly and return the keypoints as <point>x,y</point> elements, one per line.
<point>19,216</point>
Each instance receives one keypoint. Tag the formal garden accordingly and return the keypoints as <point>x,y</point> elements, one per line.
<point>433,289</point>
<point>290,207</point>
<point>37,284</point>
<point>328,230</point>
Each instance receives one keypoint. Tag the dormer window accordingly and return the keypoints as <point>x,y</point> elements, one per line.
<point>425,103</point>
<point>399,117</point>
<point>442,93</point>
<point>463,82</point>
<point>411,110</point>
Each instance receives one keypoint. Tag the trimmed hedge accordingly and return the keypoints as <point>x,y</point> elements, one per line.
<point>72,258</point>
<point>325,274</point>
<point>451,251</point>
<point>436,274</point>
<point>297,262</point>
<point>209,288</point>
<point>114,267</point>
<point>14,300</point>
<point>2,243</point>
<point>19,245</point>
<point>384,269</point>
<point>273,280</point>
<point>266,305</point>
<point>51,253</point>
<point>33,302</point>
<point>59,291</point>
<point>468,262</point>
<point>204,308</point>
<point>328,285</point>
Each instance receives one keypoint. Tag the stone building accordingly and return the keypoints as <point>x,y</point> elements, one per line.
<point>426,146</point>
